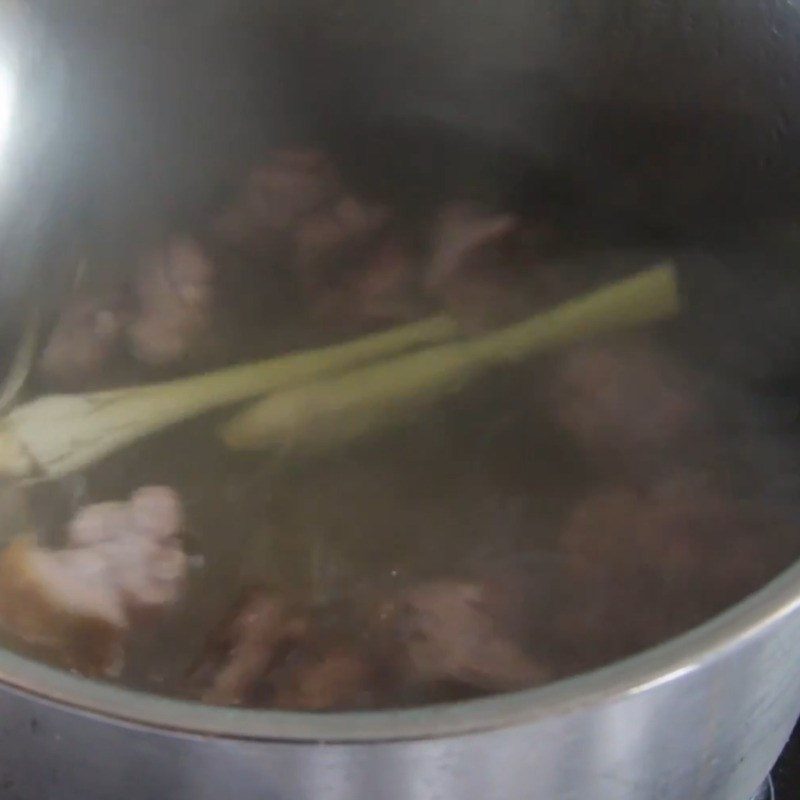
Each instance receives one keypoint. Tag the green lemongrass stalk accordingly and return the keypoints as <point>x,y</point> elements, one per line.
<point>57,434</point>
<point>336,410</point>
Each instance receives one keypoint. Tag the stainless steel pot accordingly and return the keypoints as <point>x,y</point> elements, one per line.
<point>621,101</point>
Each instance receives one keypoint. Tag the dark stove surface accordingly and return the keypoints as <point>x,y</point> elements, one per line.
<point>767,791</point>
<point>785,778</point>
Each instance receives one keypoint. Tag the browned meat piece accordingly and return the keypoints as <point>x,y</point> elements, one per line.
<point>175,293</point>
<point>63,603</point>
<point>326,242</point>
<point>481,264</point>
<point>628,400</point>
<point>466,235</point>
<point>384,291</point>
<point>84,338</point>
<point>445,631</point>
<point>78,603</point>
<point>338,679</point>
<point>290,185</point>
<point>244,647</point>
<point>641,561</point>
<point>381,291</point>
<point>351,270</point>
<point>672,528</point>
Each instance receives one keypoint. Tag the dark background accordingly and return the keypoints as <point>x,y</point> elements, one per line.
<point>786,775</point>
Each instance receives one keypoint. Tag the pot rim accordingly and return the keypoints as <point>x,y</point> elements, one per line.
<point>710,642</point>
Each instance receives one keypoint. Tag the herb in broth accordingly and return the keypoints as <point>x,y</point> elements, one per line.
<point>55,435</point>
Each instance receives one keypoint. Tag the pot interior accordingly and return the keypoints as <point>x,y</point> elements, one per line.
<point>194,186</point>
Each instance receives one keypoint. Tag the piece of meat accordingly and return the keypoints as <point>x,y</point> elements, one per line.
<point>338,679</point>
<point>78,603</point>
<point>277,194</point>
<point>157,511</point>
<point>85,337</point>
<point>351,270</point>
<point>139,540</point>
<point>444,631</point>
<point>384,290</point>
<point>153,511</point>
<point>465,234</point>
<point>243,648</point>
<point>64,604</point>
<point>380,291</point>
<point>629,402</point>
<point>175,294</point>
<point>646,564</point>
<point>326,241</point>
<point>664,528</point>
<point>475,266</point>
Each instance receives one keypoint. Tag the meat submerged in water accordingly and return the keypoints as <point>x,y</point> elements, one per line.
<point>123,562</point>
<point>84,339</point>
<point>639,558</point>
<point>63,604</point>
<point>489,268</point>
<point>630,403</point>
<point>346,263</point>
<point>384,291</point>
<point>175,296</point>
<point>467,259</point>
<point>337,679</point>
<point>445,631</point>
<point>466,237</point>
<point>244,648</point>
<point>271,653</point>
<point>348,267</point>
<point>139,540</point>
<point>276,196</point>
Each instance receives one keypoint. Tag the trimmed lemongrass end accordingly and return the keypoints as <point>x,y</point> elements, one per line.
<point>58,434</point>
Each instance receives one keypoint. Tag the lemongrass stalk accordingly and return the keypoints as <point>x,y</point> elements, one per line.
<point>57,434</point>
<point>334,411</point>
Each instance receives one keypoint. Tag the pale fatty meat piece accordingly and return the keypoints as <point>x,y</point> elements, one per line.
<point>157,511</point>
<point>85,337</point>
<point>277,195</point>
<point>122,559</point>
<point>138,539</point>
<point>176,296</point>
<point>446,632</point>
